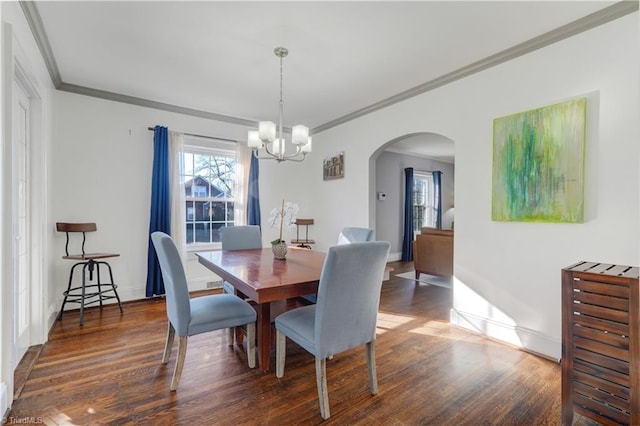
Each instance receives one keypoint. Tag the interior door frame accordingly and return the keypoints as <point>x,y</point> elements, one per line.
<point>16,67</point>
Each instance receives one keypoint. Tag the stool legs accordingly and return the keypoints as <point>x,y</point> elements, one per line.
<point>80,294</point>
<point>112,284</point>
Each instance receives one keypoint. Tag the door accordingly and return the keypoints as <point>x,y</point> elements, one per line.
<point>20,190</point>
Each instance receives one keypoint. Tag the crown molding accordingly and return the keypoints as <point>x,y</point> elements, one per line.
<point>34,20</point>
<point>118,97</point>
<point>588,22</point>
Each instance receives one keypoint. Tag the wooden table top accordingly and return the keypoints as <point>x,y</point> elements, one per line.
<point>264,279</point>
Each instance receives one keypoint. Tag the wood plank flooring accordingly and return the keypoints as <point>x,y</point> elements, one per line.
<point>429,373</point>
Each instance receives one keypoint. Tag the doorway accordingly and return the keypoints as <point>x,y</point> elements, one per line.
<point>21,229</point>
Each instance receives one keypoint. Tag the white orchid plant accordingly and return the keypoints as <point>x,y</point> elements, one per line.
<point>284,216</point>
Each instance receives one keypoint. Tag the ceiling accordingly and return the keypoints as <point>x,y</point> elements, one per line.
<point>345,58</point>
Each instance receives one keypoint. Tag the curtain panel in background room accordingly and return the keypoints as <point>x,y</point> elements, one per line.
<point>407,240</point>
<point>437,186</point>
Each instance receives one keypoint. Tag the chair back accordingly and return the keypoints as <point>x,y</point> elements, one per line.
<point>75,227</point>
<point>355,235</point>
<point>349,296</point>
<point>241,237</point>
<point>175,282</point>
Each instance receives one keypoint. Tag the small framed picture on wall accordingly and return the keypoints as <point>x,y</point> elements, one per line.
<point>333,166</point>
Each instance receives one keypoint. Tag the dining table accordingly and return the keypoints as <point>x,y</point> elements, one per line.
<point>255,274</point>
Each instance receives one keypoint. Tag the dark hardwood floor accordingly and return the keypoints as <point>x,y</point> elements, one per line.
<point>429,373</point>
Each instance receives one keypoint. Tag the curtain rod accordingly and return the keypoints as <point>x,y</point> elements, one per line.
<point>426,171</point>
<point>201,136</point>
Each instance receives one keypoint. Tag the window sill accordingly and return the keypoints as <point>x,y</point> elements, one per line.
<point>193,248</point>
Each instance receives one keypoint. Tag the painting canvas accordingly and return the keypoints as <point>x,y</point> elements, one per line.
<point>333,166</point>
<point>538,164</point>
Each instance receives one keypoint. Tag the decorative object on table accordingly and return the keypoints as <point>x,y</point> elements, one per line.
<point>286,215</point>
<point>538,164</point>
<point>333,166</point>
<point>265,136</point>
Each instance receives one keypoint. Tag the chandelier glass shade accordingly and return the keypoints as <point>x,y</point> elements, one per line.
<point>269,137</point>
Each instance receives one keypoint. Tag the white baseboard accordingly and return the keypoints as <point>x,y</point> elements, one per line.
<point>394,257</point>
<point>527,339</point>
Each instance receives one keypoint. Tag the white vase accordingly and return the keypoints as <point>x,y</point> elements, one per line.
<point>279,250</point>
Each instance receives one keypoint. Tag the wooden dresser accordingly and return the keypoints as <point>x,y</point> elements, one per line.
<point>601,343</point>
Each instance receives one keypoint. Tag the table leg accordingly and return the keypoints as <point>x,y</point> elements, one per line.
<point>264,335</point>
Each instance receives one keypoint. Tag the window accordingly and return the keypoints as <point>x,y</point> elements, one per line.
<point>423,201</point>
<point>209,177</point>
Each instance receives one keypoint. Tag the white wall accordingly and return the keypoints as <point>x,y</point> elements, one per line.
<point>508,274</point>
<point>101,170</point>
<point>390,180</point>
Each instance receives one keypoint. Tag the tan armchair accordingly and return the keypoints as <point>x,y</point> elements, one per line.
<point>433,252</point>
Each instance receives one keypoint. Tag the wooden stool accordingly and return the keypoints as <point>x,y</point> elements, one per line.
<point>89,262</point>
<point>306,243</point>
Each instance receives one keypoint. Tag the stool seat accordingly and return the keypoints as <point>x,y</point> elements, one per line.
<point>89,291</point>
<point>90,256</point>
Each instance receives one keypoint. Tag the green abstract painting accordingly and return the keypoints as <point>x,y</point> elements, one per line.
<point>538,164</point>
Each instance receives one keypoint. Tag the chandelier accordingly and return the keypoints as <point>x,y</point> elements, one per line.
<point>265,136</point>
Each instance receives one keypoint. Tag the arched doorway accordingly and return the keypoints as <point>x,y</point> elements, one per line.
<point>425,152</point>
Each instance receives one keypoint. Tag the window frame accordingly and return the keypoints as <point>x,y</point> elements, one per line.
<point>429,201</point>
<point>200,146</point>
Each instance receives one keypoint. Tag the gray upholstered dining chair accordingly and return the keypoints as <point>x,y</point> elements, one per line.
<point>188,317</point>
<point>347,236</point>
<point>243,237</point>
<point>344,316</point>
<point>355,235</point>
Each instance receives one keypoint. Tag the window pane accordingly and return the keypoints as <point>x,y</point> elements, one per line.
<point>230,211</point>
<point>217,211</point>
<point>203,232</point>
<point>189,233</point>
<point>422,202</point>
<point>216,227</point>
<point>188,163</point>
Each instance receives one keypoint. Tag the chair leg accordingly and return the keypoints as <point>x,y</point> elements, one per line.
<point>371,363</point>
<point>323,394</point>
<point>231,332</point>
<point>281,352</point>
<point>251,344</point>
<point>96,266</point>
<point>113,286</point>
<point>171,332</point>
<point>182,351</point>
<point>84,292</point>
<point>66,293</point>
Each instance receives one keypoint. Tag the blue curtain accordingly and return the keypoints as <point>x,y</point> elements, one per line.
<point>160,219</point>
<point>437,179</point>
<point>407,240</point>
<point>253,194</point>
